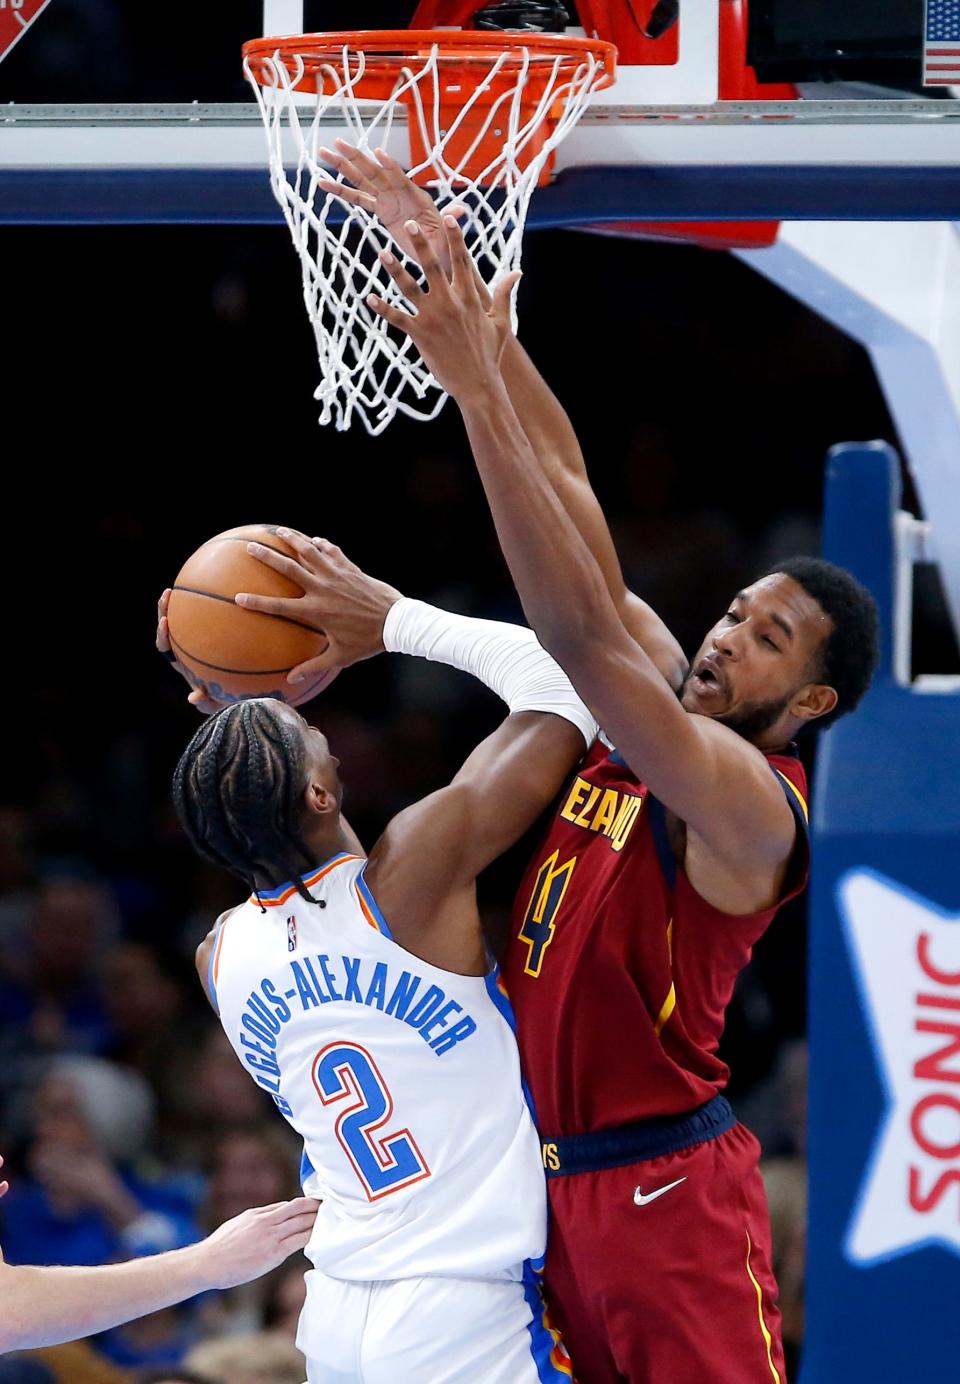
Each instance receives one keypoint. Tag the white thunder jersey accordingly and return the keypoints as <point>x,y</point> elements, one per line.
<point>402,1079</point>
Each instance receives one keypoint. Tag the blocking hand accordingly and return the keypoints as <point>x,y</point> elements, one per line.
<point>457,327</point>
<point>380,186</point>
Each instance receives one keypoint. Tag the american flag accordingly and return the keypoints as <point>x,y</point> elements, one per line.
<point>941,43</point>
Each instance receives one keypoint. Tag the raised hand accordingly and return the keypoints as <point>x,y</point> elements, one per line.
<point>199,695</point>
<point>380,185</point>
<point>457,327</point>
<point>339,600</point>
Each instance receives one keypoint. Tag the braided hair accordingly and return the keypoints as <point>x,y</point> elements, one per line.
<point>238,793</point>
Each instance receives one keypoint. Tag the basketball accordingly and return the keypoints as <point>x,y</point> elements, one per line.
<point>237,653</point>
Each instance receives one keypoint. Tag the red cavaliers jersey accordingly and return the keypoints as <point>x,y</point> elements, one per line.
<point>618,971</point>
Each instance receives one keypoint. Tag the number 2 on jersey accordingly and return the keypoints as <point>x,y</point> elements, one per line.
<point>384,1163</point>
<point>540,919</point>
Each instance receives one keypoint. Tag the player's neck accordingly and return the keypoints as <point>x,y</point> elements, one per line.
<point>776,740</point>
<point>319,847</point>
<point>324,842</point>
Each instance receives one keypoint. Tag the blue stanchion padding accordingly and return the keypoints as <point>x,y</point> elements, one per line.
<point>883,1287</point>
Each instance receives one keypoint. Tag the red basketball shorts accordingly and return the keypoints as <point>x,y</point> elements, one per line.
<point>659,1272</point>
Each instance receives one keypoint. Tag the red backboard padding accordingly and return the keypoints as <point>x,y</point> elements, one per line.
<point>712,235</point>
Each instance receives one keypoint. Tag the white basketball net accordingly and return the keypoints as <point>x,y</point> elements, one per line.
<point>366,366</point>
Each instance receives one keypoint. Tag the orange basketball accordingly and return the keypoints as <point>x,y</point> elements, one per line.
<point>239,653</point>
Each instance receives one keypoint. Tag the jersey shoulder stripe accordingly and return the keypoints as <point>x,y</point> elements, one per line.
<point>368,905</point>
<point>213,966</point>
<point>794,797</point>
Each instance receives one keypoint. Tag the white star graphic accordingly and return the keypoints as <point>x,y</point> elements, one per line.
<point>906,955</point>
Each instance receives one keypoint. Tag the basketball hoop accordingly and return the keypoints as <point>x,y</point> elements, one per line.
<point>485,113</point>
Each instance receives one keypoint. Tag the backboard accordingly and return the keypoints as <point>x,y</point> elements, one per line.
<point>108,119</point>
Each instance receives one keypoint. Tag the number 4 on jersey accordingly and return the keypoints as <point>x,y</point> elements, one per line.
<point>383,1162</point>
<point>540,920</point>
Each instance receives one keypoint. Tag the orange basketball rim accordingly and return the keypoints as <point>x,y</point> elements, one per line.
<point>449,81</point>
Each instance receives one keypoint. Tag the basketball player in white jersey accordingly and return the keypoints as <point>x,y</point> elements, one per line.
<point>358,992</point>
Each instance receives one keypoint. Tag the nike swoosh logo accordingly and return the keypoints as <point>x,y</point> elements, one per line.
<point>642,1200</point>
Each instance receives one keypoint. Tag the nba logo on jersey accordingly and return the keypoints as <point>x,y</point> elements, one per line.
<point>291,933</point>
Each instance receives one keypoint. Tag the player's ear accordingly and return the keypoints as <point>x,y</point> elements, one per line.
<point>813,701</point>
<point>319,800</point>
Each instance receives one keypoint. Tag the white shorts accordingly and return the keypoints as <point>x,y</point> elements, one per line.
<point>429,1331</point>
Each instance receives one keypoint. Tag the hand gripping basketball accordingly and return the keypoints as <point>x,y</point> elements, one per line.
<point>199,695</point>
<point>458,329</point>
<point>338,598</point>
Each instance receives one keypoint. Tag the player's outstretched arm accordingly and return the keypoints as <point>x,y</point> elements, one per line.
<point>710,777</point>
<point>381,186</point>
<point>557,449</point>
<point>50,1305</point>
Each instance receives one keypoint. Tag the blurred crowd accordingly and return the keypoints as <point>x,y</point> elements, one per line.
<point>705,400</point>
<point>129,1125</point>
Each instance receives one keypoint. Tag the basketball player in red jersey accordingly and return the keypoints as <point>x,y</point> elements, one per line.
<point>666,860</point>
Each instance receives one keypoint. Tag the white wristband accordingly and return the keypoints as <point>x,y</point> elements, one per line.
<point>506,658</point>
